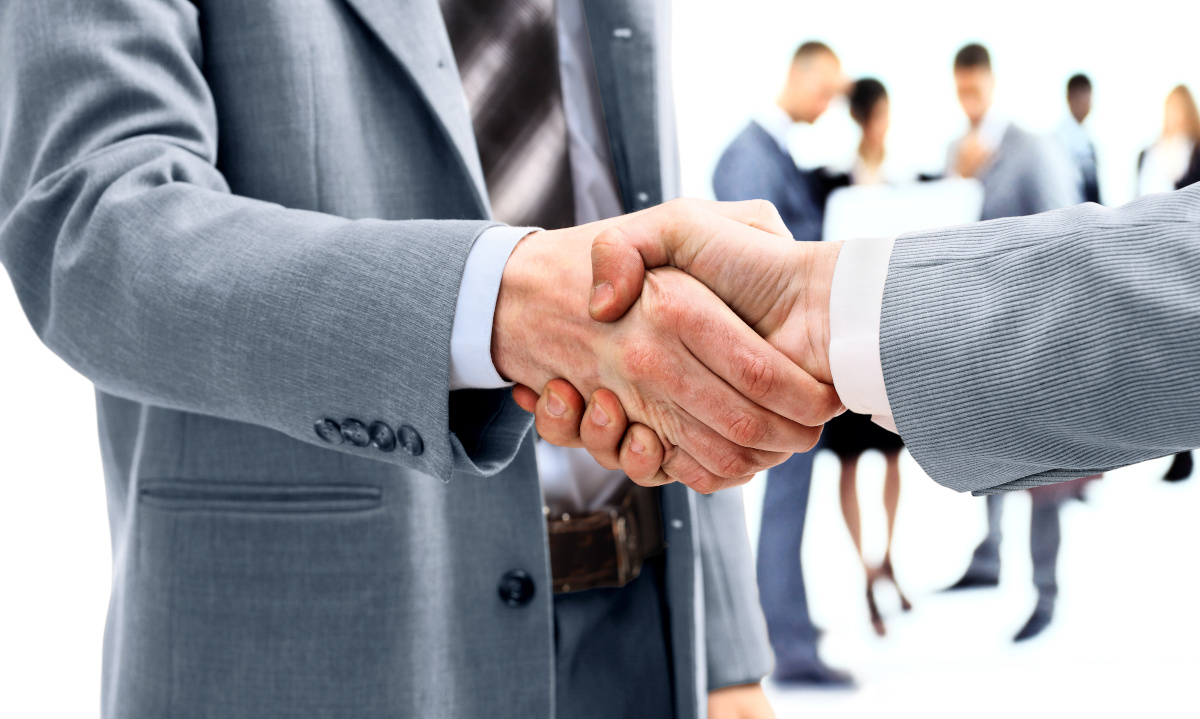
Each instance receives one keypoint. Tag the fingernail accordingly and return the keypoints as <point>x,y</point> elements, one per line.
<point>598,415</point>
<point>555,405</point>
<point>602,294</point>
<point>636,445</point>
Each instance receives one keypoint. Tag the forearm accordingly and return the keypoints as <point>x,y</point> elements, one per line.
<point>181,295</point>
<point>1032,350</point>
<point>137,265</point>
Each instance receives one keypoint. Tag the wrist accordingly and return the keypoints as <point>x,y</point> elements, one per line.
<point>542,303</point>
<point>820,262</point>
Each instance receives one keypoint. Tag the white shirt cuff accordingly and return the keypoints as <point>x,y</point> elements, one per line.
<point>471,364</point>
<point>855,304</point>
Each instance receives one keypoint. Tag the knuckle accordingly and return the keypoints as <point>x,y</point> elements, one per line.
<point>822,409</point>
<point>606,239</point>
<point>678,211</point>
<point>765,210</point>
<point>747,429</point>
<point>734,462</point>
<point>758,377</point>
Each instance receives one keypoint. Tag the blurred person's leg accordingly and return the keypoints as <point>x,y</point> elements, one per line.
<point>851,513</point>
<point>781,577</point>
<point>984,569</point>
<point>1045,535</point>
<point>891,501</point>
<point>848,494</point>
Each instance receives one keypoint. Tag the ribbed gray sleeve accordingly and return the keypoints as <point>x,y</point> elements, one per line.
<point>1032,350</point>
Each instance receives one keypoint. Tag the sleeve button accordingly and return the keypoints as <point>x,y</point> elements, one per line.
<point>382,437</point>
<point>410,440</point>
<point>328,431</point>
<point>355,433</point>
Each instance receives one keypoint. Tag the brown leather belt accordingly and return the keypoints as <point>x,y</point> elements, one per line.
<point>606,548</point>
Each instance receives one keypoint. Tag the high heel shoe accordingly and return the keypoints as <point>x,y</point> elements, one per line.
<point>876,617</point>
<point>888,573</point>
<point>1181,468</point>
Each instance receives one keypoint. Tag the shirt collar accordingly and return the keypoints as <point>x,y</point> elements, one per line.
<point>776,122</point>
<point>1074,137</point>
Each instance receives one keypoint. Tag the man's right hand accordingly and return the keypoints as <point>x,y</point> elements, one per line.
<point>717,400</point>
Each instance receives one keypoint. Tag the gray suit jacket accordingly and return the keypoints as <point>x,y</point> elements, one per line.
<point>1031,350</point>
<point>241,219</point>
<point>1026,175</point>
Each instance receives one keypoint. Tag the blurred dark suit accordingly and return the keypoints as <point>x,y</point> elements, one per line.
<point>1026,175</point>
<point>755,167</point>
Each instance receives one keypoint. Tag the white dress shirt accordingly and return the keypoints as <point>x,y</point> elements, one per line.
<point>1164,163</point>
<point>571,480</point>
<point>1074,138</point>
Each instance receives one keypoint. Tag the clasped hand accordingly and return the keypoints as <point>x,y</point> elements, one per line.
<point>698,330</point>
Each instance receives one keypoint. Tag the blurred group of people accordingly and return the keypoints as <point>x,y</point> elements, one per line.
<point>1021,173</point>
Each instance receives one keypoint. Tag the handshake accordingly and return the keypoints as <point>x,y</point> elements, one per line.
<point>698,331</point>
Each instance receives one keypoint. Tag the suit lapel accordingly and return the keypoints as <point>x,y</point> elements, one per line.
<point>415,33</point>
<point>622,35</point>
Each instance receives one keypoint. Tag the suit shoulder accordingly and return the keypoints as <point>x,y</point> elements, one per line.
<point>746,145</point>
<point>745,164</point>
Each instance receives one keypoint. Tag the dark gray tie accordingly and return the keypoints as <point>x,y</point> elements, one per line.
<point>507,53</point>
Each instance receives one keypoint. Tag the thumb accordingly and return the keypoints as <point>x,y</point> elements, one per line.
<point>617,273</point>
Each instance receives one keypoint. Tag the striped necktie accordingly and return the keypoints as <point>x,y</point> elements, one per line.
<point>507,53</point>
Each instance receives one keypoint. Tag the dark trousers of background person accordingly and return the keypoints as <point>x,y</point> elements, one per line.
<point>780,577</point>
<point>1044,538</point>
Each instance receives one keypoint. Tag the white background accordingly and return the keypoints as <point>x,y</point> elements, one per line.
<point>1125,641</point>
<point>731,57</point>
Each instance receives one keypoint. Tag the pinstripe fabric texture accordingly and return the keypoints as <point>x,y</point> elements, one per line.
<point>1028,351</point>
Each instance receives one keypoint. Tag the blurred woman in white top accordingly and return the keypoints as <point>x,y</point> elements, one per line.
<point>1163,164</point>
<point>870,109</point>
<point>1170,164</point>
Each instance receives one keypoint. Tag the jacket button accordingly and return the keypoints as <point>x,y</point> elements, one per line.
<point>410,440</point>
<point>516,588</point>
<point>355,433</point>
<point>382,437</point>
<point>329,431</point>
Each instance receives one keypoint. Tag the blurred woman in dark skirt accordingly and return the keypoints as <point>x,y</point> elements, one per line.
<point>852,434</point>
<point>848,437</point>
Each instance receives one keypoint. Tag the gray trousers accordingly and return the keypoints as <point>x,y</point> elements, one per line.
<point>612,656</point>
<point>780,576</point>
<point>1044,538</point>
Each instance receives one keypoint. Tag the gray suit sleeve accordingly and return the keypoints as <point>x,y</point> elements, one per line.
<point>136,265</point>
<point>1028,351</point>
<point>735,630</point>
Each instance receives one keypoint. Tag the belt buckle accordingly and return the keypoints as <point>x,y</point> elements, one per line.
<point>599,549</point>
